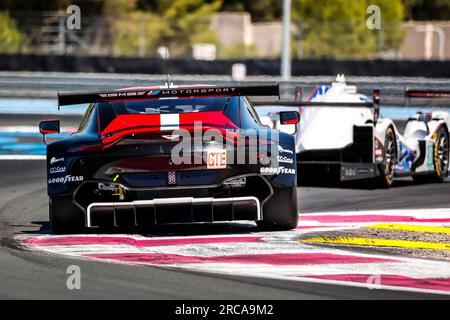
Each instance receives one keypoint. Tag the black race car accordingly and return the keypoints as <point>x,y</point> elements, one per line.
<point>155,155</point>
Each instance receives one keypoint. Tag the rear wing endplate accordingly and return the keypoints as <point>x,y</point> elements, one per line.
<point>375,104</point>
<point>194,92</point>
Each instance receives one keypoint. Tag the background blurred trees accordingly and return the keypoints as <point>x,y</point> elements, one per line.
<point>10,36</point>
<point>187,22</point>
<point>142,26</point>
<point>338,28</point>
<point>327,28</point>
<point>261,10</point>
<point>267,10</point>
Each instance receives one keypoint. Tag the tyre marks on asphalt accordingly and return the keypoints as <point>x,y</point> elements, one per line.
<point>277,255</point>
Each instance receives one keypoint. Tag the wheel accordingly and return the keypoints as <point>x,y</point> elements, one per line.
<point>281,211</point>
<point>64,216</point>
<point>440,158</point>
<point>386,169</point>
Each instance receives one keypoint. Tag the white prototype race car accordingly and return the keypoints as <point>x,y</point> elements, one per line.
<point>343,132</point>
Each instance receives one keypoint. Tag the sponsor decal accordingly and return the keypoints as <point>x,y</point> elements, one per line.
<point>54,160</point>
<point>319,91</point>
<point>197,91</point>
<point>66,179</point>
<point>350,172</point>
<point>276,171</point>
<point>57,170</point>
<point>216,159</point>
<point>283,159</point>
<point>153,92</point>
<point>172,177</point>
<point>281,150</point>
<point>406,159</point>
<point>122,94</point>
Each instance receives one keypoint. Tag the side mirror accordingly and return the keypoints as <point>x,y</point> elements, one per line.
<point>49,127</point>
<point>289,117</point>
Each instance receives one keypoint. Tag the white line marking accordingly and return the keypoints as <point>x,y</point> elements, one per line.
<point>22,157</point>
<point>31,129</point>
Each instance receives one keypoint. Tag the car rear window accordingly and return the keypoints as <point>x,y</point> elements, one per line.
<point>162,106</point>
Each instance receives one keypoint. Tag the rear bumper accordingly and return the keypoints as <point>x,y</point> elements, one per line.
<point>354,162</point>
<point>356,171</point>
<point>173,210</point>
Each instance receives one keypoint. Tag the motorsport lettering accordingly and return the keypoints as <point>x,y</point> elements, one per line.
<point>197,91</point>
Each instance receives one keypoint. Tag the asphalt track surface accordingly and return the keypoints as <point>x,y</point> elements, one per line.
<point>30,275</point>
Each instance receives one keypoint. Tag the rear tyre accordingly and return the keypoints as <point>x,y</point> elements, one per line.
<point>281,211</point>
<point>440,159</point>
<point>386,169</point>
<point>64,216</point>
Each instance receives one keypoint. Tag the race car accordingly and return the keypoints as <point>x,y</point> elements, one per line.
<point>342,133</point>
<point>144,157</point>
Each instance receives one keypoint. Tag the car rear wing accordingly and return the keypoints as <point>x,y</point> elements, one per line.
<point>374,104</point>
<point>301,104</point>
<point>147,94</point>
<point>416,93</point>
